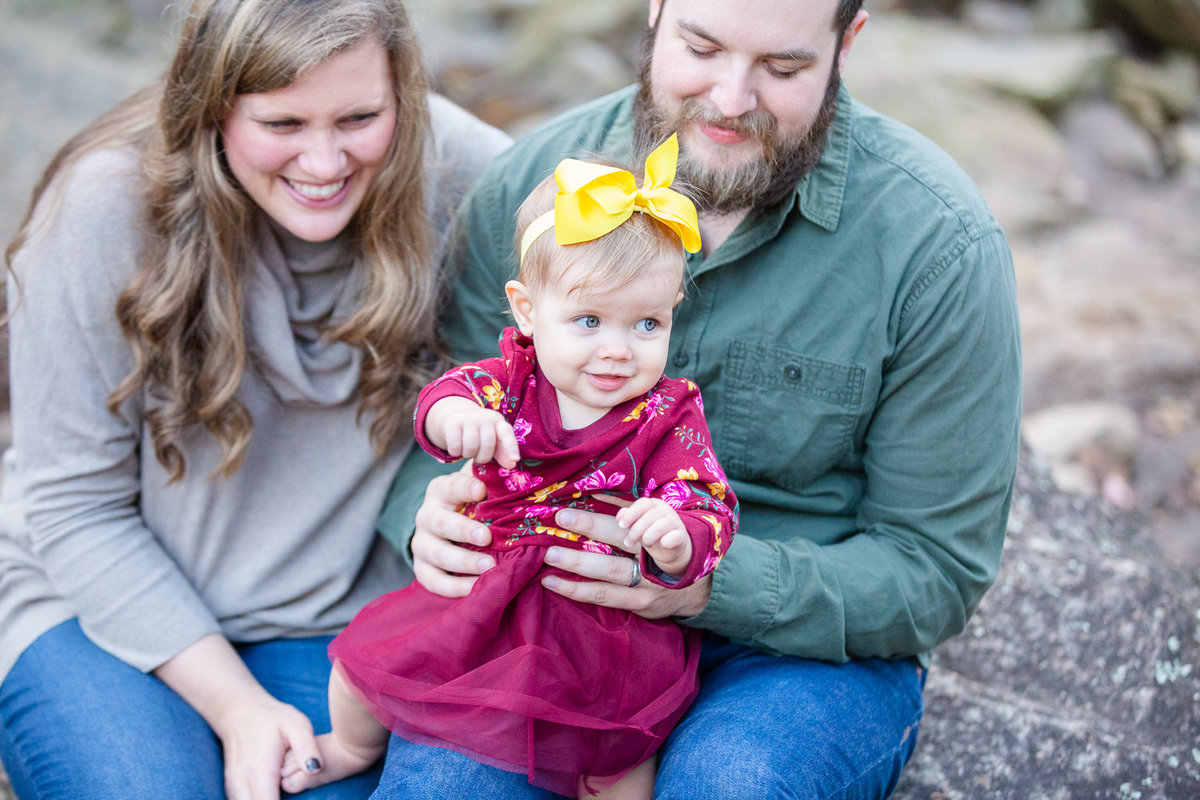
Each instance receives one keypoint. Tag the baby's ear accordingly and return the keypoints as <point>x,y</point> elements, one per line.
<point>520,302</point>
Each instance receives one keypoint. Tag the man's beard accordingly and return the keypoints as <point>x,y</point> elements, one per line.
<point>757,183</point>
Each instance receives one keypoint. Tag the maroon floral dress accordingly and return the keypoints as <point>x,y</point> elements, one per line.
<point>517,676</point>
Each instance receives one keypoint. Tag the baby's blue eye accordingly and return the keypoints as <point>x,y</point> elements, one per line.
<point>588,321</point>
<point>647,325</point>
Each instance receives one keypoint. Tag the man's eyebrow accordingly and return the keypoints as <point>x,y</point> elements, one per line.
<point>801,54</point>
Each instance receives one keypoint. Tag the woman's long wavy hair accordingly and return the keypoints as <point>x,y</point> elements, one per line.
<point>182,312</point>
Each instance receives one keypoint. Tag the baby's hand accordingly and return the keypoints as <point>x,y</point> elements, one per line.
<point>463,429</point>
<point>655,526</point>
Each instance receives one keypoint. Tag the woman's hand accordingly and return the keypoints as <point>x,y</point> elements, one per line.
<point>255,736</point>
<point>255,729</point>
<point>440,563</point>
<point>609,577</point>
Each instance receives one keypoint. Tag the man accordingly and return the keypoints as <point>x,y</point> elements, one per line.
<point>852,325</point>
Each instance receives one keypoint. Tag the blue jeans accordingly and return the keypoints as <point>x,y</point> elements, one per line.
<point>76,722</point>
<point>763,726</point>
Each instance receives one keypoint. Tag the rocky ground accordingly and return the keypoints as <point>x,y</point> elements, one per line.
<point>1086,143</point>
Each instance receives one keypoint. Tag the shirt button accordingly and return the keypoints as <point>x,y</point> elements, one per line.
<point>792,372</point>
<point>681,360</point>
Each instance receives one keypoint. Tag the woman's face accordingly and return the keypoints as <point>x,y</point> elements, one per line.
<point>307,153</point>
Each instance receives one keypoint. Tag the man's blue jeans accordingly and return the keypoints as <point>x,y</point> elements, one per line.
<point>762,727</point>
<point>75,722</point>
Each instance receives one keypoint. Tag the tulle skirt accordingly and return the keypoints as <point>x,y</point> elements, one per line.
<point>521,678</point>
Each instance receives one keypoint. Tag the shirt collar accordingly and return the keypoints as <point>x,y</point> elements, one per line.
<point>820,193</point>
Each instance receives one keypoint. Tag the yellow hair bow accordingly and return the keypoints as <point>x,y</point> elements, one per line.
<point>593,199</point>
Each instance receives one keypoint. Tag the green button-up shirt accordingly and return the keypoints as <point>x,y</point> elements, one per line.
<point>857,347</point>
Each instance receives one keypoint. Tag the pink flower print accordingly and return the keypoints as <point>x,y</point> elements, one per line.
<point>598,480</point>
<point>538,512</point>
<point>651,485</point>
<point>593,546</point>
<point>710,563</point>
<point>518,480</point>
<point>676,494</point>
<point>713,467</point>
<point>654,405</point>
<point>521,429</point>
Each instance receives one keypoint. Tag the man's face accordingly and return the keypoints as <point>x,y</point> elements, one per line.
<point>750,86</point>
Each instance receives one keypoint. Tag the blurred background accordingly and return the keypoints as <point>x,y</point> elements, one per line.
<point>1078,118</point>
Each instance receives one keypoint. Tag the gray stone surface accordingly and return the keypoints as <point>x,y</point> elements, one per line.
<point>1079,677</point>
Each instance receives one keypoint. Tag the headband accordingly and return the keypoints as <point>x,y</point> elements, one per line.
<point>593,199</point>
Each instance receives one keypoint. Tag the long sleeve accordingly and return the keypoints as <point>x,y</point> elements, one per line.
<point>479,382</point>
<point>683,472</point>
<point>79,464</point>
<point>940,452</point>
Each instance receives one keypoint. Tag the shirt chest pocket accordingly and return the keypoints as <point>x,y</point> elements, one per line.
<point>787,418</point>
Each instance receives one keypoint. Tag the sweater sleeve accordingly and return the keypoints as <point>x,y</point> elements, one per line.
<point>79,464</point>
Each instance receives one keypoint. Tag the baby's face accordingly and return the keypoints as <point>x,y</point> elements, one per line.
<point>605,346</point>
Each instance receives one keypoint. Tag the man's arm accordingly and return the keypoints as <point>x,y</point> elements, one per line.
<point>939,462</point>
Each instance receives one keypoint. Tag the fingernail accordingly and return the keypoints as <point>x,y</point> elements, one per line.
<point>312,765</point>
<point>484,564</point>
<point>553,555</point>
<point>551,582</point>
<point>479,536</point>
<point>565,517</point>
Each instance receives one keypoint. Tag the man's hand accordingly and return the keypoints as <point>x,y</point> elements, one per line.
<point>608,577</point>
<point>440,563</point>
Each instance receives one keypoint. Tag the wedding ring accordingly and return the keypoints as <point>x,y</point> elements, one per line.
<point>636,578</point>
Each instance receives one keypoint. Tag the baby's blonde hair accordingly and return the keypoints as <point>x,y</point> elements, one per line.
<point>616,259</point>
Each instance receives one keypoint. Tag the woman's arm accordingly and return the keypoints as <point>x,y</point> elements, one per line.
<point>79,465</point>
<point>255,729</point>
<point>81,477</point>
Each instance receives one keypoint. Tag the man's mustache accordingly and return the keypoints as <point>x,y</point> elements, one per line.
<point>753,124</point>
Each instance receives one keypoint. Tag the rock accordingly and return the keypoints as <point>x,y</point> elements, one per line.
<point>1102,137</point>
<point>921,72</point>
<point>1187,143</point>
<point>1165,23</point>
<point>1047,71</point>
<point>997,17</point>
<point>1159,95</point>
<point>1061,433</point>
<point>1108,311</point>
<point>1058,16</point>
<point>1078,677</point>
<point>1172,82</point>
<point>50,92</point>
<point>1088,447</point>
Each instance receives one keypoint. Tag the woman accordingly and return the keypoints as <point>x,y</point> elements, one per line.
<point>221,312</point>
